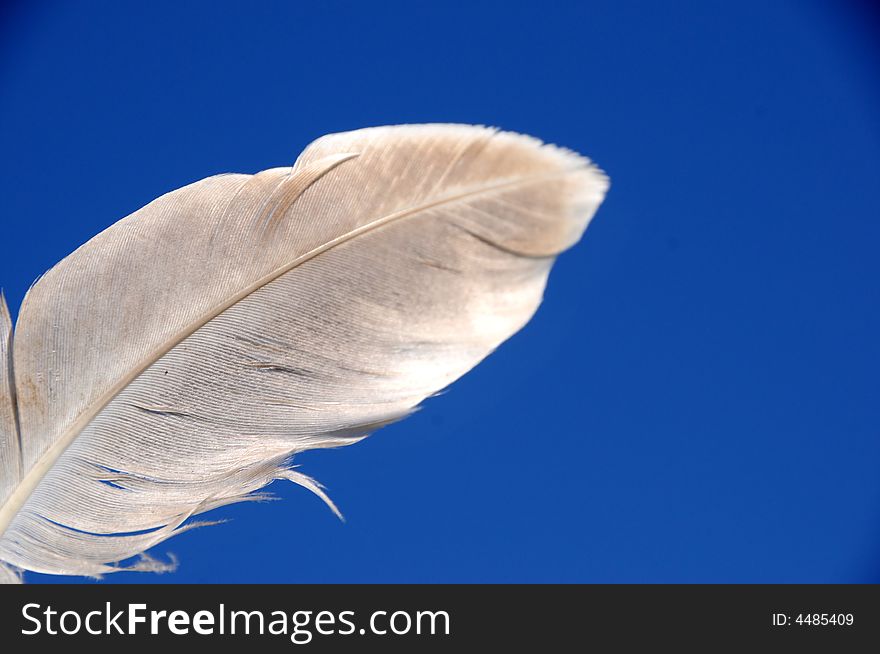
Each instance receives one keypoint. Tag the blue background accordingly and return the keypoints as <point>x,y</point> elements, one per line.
<point>696,401</point>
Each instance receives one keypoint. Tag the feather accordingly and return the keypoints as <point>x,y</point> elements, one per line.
<point>177,361</point>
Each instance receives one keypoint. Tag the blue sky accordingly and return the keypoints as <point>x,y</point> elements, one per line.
<point>696,400</point>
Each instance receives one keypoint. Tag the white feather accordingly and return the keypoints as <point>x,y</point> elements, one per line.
<point>178,360</point>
